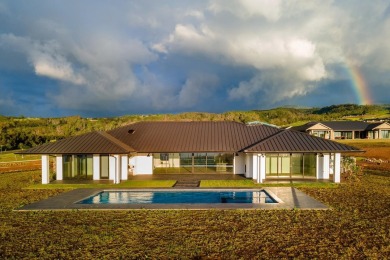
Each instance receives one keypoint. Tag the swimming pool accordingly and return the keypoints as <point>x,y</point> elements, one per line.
<point>179,197</point>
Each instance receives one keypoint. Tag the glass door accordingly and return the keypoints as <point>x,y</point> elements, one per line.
<point>104,167</point>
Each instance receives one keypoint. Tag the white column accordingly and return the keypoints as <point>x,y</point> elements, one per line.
<point>59,167</point>
<point>255,167</point>
<point>45,169</point>
<point>261,175</point>
<point>326,165</point>
<point>248,163</point>
<point>96,167</point>
<point>320,166</point>
<point>337,167</point>
<point>117,169</point>
<point>125,167</point>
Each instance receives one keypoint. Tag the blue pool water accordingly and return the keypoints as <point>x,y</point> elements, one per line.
<point>177,197</point>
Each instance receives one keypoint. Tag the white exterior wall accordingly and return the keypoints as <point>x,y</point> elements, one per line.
<point>248,166</point>
<point>143,164</point>
<point>111,168</point>
<point>323,164</point>
<point>261,164</point>
<point>96,167</point>
<point>320,163</point>
<point>337,167</point>
<point>45,169</point>
<point>239,164</point>
<point>326,167</point>
<point>59,168</point>
<point>255,168</point>
<point>125,167</point>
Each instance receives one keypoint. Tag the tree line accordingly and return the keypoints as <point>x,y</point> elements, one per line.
<point>24,133</point>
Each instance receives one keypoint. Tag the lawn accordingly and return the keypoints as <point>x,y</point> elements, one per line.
<point>357,227</point>
<point>123,184</point>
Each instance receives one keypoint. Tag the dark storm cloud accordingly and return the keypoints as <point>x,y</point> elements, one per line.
<point>96,58</point>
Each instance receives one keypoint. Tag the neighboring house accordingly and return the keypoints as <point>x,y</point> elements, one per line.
<point>257,151</point>
<point>346,130</point>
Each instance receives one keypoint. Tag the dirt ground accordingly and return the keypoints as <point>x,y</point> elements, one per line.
<point>20,166</point>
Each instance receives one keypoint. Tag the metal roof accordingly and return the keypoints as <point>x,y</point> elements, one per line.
<point>91,143</point>
<point>192,137</point>
<point>294,141</point>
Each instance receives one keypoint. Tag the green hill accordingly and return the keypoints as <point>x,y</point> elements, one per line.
<point>21,132</point>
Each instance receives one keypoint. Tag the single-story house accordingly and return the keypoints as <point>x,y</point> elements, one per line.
<point>346,130</point>
<point>257,151</point>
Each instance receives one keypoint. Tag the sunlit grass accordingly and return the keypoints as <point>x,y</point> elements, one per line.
<point>11,156</point>
<point>251,184</point>
<point>123,184</point>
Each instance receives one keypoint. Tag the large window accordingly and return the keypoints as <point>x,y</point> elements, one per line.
<point>343,135</point>
<point>77,166</point>
<point>322,134</point>
<point>294,165</point>
<point>193,162</point>
<point>385,134</point>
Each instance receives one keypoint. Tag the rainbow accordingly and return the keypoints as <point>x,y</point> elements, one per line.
<point>359,85</point>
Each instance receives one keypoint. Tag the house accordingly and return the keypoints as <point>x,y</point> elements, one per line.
<point>346,130</point>
<point>257,151</point>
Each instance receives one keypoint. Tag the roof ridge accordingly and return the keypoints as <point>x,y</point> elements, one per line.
<point>116,141</point>
<point>265,139</point>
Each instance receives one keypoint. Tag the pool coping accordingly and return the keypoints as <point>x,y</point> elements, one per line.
<point>288,198</point>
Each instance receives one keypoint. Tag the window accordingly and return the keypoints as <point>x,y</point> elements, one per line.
<point>77,166</point>
<point>164,157</point>
<point>385,134</point>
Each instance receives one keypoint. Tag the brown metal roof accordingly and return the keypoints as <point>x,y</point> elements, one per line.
<point>294,141</point>
<point>149,137</point>
<point>191,136</point>
<point>91,143</point>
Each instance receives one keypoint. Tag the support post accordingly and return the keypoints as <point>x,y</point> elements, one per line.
<point>59,168</point>
<point>125,167</point>
<point>45,169</point>
<point>255,167</point>
<point>261,175</point>
<point>337,167</point>
<point>326,165</point>
<point>117,169</point>
<point>96,167</point>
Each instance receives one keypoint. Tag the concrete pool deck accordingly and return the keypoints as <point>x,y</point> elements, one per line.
<point>289,198</point>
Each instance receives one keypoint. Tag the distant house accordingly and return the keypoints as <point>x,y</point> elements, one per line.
<point>346,130</point>
<point>257,151</point>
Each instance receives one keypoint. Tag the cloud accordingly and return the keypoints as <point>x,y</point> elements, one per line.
<point>191,55</point>
<point>269,9</point>
<point>197,87</point>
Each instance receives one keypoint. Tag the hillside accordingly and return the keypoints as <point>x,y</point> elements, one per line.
<point>22,133</point>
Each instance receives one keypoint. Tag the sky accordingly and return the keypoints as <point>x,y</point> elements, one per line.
<point>111,58</point>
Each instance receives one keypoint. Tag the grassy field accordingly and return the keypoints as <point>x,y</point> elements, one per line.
<point>11,156</point>
<point>357,227</point>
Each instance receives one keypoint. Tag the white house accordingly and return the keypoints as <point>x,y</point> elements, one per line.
<point>257,151</point>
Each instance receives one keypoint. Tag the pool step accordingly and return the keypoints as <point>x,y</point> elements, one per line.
<point>186,184</point>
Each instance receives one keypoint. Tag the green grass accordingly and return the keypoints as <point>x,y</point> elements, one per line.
<point>11,156</point>
<point>356,227</point>
<point>123,184</point>
<point>227,183</point>
<point>251,184</point>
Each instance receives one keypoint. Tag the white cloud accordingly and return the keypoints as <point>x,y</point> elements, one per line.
<point>269,9</point>
<point>176,54</point>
